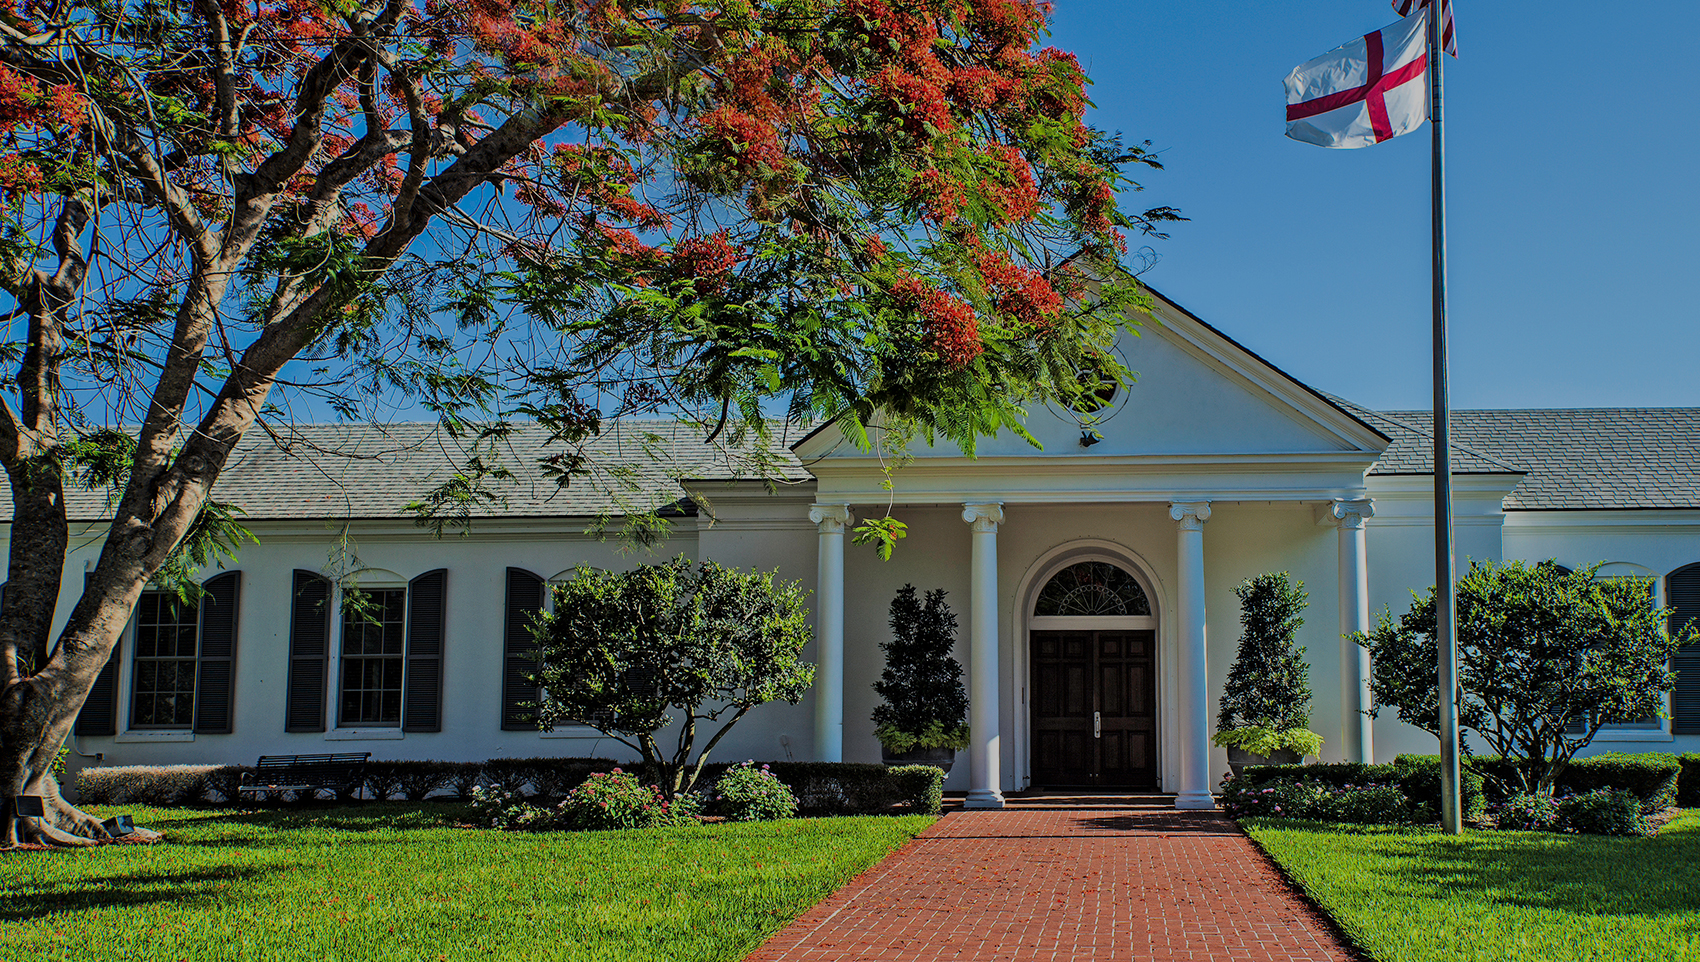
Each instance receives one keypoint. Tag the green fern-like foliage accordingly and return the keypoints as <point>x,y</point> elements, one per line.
<point>925,703</point>
<point>1269,684</point>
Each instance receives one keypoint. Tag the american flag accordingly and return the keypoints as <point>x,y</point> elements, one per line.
<point>1448,41</point>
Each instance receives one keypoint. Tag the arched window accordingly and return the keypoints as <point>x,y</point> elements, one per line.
<point>1092,588</point>
<point>1682,596</point>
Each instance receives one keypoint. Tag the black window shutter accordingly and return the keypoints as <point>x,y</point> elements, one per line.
<point>422,694</point>
<point>1682,597</point>
<point>215,672</point>
<point>99,714</point>
<point>309,652</point>
<point>525,601</point>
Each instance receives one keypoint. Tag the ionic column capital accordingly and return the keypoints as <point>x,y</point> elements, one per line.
<point>1189,515</point>
<point>832,518</point>
<point>983,516</point>
<point>1347,513</point>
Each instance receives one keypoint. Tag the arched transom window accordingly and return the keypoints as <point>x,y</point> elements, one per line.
<point>1092,588</point>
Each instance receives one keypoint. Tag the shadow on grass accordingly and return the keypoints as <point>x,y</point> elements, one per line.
<point>1583,874</point>
<point>178,888</point>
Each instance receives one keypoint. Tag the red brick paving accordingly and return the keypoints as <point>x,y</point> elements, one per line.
<point>1104,885</point>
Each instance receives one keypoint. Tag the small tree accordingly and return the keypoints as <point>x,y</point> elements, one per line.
<point>1265,706</point>
<point>925,705</point>
<point>1545,658</point>
<point>622,651</point>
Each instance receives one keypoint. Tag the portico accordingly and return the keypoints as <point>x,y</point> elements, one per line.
<point>1214,468</point>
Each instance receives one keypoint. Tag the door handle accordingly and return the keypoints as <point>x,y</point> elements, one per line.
<point>1097,725</point>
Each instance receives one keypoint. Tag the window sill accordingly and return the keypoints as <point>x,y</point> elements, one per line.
<point>364,735</point>
<point>144,737</point>
<point>1632,735</point>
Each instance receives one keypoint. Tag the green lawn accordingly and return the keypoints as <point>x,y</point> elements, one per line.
<point>1414,895</point>
<point>397,881</point>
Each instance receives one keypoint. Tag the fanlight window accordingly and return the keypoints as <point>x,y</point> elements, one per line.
<point>1092,588</point>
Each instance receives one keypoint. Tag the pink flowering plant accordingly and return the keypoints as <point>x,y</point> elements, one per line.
<point>746,793</point>
<point>617,799</point>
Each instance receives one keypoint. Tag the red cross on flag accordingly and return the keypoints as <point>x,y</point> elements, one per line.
<point>1365,92</point>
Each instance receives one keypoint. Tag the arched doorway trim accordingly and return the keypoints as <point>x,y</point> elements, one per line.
<point>1023,622</point>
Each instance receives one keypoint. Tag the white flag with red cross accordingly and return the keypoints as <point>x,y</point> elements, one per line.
<point>1365,92</point>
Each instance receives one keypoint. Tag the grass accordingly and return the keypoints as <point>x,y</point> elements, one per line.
<point>1414,895</point>
<point>399,881</point>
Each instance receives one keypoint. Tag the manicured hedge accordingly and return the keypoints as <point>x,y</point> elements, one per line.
<point>1417,776</point>
<point>822,788</point>
<point>1651,776</point>
<point>1688,784</point>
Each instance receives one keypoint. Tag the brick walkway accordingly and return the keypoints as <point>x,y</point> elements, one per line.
<point>1072,885</point>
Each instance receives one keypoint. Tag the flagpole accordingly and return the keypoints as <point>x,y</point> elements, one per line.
<point>1445,601</point>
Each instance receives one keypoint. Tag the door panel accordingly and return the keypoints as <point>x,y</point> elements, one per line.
<point>1077,674</point>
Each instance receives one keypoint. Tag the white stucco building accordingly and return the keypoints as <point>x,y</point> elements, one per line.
<point>1094,581</point>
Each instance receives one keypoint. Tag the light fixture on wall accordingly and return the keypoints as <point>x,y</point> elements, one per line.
<point>1089,438</point>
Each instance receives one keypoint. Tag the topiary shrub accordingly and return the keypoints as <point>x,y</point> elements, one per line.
<point>925,704</point>
<point>922,787</point>
<point>1265,705</point>
<point>616,800</point>
<point>1603,811</point>
<point>1526,812</point>
<point>750,794</point>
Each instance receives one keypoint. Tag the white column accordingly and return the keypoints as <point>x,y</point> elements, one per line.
<point>1356,728</point>
<point>829,631</point>
<point>983,690</point>
<point>1194,714</point>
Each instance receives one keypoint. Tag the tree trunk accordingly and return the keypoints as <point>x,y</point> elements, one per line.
<point>36,715</point>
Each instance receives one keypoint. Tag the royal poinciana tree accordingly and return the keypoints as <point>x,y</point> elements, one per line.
<point>502,211</point>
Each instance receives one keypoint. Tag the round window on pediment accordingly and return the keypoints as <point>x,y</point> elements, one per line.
<point>1092,588</point>
<point>1099,393</point>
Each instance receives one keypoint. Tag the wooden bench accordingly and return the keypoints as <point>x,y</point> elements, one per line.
<point>306,773</point>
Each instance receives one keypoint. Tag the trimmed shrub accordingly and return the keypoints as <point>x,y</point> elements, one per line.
<point>1282,797</point>
<point>840,788</point>
<point>1369,805</point>
<point>419,780</point>
<point>144,784</point>
<point>511,775</point>
<point>223,782</point>
<point>383,780</point>
<point>463,777</point>
<point>922,787</point>
<point>1688,783</point>
<point>1650,776</point>
<point>1331,773</point>
<point>1603,811</point>
<point>750,794</point>
<point>616,800</point>
<point>1525,812</point>
<point>1418,776</point>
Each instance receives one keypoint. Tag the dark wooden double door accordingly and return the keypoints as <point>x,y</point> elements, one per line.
<point>1094,709</point>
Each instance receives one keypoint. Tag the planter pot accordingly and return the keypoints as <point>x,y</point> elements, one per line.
<point>936,757</point>
<point>1239,758</point>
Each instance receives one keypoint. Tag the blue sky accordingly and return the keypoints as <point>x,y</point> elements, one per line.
<point>1573,149</point>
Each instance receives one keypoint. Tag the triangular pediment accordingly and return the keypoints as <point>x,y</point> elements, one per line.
<point>1197,393</point>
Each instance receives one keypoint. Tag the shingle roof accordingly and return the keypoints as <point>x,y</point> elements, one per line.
<point>1572,459</point>
<point>1411,450</point>
<point>1569,459</point>
<point>364,471</point>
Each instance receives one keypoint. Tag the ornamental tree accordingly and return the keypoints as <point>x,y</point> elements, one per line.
<point>218,216</point>
<point>676,644</point>
<point>1545,657</point>
<point>1265,704</point>
<point>925,705</point>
